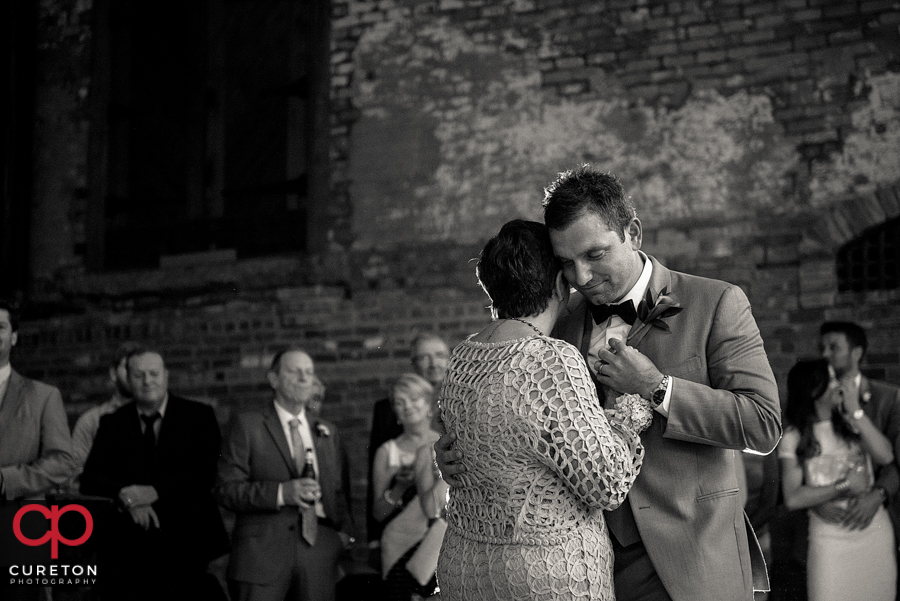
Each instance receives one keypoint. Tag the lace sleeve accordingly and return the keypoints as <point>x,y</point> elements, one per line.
<point>598,462</point>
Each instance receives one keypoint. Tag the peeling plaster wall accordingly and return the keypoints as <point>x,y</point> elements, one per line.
<point>467,109</point>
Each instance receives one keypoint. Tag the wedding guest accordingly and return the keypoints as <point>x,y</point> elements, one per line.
<point>429,355</point>
<point>691,346</point>
<point>843,345</point>
<point>395,504</point>
<point>284,473</point>
<point>542,458</point>
<point>828,455</point>
<point>88,423</point>
<point>155,457</point>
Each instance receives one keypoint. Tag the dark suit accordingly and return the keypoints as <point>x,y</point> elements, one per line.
<point>685,501</point>
<point>881,403</point>
<point>269,551</point>
<point>173,559</point>
<point>35,444</point>
<point>385,427</point>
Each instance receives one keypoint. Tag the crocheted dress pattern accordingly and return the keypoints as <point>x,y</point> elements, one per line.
<point>542,463</point>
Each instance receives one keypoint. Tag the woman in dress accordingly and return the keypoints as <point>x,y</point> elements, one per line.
<point>542,458</point>
<point>827,459</point>
<point>393,482</point>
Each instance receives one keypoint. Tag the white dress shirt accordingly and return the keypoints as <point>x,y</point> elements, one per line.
<point>616,327</point>
<point>5,373</point>
<point>285,417</point>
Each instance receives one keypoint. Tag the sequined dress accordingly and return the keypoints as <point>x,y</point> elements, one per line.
<point>542,463</point>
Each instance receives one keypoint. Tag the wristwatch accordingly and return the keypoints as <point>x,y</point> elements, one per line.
<point>858,414</point>
<point>659,393</point>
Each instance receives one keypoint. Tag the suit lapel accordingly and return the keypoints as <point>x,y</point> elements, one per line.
<point>11,406</point>
<point>273,427</point>
<point>660,278</point>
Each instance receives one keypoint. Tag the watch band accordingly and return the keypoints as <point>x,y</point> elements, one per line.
<point>659,393</point>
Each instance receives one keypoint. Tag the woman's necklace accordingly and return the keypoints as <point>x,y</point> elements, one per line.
<point>527,324</point>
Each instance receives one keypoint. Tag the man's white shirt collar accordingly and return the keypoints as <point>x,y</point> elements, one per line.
<point>637,292</point>
<point>5,372</point>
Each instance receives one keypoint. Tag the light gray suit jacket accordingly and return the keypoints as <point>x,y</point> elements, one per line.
<point>724,397</point>
<point>35,444</point>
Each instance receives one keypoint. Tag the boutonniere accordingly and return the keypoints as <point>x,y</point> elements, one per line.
<point>322,431</point>
<point>651,312</point>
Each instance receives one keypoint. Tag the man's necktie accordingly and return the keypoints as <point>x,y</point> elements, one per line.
<point>625,310</point>
<point>149,437</point>
<point>302,456</point>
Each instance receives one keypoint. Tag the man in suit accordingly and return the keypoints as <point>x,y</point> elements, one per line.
<point>89,422</point>
<point>429,356</point>
<point>695,352</point>
<point>156,458</point>
<point>35,445</point>
<point>286,477</point>
<point>844,345</point>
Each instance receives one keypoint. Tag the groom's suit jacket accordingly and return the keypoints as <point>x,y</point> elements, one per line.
<point>35,445</point>
<point>255,459</point>
<point>724,398</point>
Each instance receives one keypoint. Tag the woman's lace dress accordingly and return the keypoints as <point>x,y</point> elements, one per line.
<point>542,462</point>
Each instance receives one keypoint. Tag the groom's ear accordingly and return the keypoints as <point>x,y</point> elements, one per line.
<point>561,287</point>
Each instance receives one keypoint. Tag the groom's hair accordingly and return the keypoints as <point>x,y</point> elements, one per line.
<point>584,189</point>
<point>517,269</point>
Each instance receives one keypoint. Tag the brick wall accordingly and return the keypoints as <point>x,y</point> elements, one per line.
<point>755,137</point>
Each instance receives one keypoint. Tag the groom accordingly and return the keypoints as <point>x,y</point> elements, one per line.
<point>695,351</point>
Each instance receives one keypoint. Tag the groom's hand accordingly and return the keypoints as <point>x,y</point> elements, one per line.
<point>626,369</point>
<point>447,459</point>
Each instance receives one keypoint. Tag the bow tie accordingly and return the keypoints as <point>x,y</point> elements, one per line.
<point>625,310</point>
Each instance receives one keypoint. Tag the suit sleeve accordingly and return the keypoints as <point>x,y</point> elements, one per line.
<point>235,490</point>
<point>99,477</point>
<point>197,467</point>
<point>739,409</point>
<point>55,463</point>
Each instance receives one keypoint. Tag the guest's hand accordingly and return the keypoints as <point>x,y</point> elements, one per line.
<point>862,509</point>
<point>627,370</point>
<point>138,494</point>
<point>144,516</point>
<point>858,479</point>
<point>448,459</point>
<point>849,395</point>
<point>831,512</point>
<point>303,492</point>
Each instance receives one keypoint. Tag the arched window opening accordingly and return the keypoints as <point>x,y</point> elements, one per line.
<point>872,260</point>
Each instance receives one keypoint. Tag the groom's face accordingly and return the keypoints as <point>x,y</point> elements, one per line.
<point>595,259</point>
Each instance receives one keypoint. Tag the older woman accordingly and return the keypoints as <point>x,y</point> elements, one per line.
<point>393,482</point>
<point>542,458</point>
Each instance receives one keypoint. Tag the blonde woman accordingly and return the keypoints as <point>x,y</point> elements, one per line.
<point>393,482</point>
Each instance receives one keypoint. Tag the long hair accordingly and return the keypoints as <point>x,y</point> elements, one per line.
<point>807,381</point>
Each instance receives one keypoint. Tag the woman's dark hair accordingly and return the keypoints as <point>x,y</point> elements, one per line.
<point>517,269</point>
<point>807,381</point>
